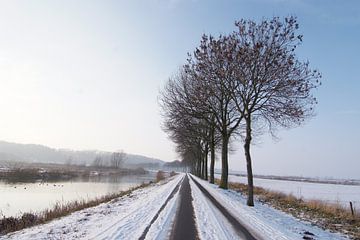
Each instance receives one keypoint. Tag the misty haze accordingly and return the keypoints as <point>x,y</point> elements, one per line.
<point>179,119</point>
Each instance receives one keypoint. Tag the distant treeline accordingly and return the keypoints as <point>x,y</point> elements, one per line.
<point>14,152</point>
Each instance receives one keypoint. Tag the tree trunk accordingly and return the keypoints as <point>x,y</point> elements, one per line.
<point>198,171</point>
<point>202,166</point>
<point>201,163</point>
<point>224,162</point>
<point>206,161</point>
<point>212,156</point>
<point>250,200</point>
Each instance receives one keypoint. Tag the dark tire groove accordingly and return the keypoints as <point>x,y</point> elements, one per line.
<point>240,229</point>
<point>185,226</point>
<point>176,189</point>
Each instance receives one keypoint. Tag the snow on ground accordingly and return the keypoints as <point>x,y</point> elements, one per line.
<point>129,216</point>
<point>266,222</point>
<point>161,229</point>
<point>211,224</point>
<point>122,218</point>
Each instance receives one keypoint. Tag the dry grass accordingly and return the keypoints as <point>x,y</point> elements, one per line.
<point>334,217</point>
<point>11,224</point>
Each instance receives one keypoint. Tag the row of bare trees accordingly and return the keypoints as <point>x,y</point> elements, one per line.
<point>115,160</point>
<point>236,86</point>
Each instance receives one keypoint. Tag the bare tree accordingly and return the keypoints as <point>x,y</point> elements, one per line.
<point>213,91</point>
<point>117,159</point>
<point>69,161</point>
<point>98,161</point>
<point>202,90</point>
<point>241,83</point>
<point>13,165</point>
<point>188,131</point>
<point>272,88</point>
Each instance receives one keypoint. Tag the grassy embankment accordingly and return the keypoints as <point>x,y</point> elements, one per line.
<point>11,224</point>
<point>333,217</point>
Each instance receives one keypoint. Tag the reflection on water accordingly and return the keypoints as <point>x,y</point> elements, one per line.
<point>17,198</point>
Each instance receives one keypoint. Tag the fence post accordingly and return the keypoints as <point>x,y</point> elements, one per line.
<point>352,209</point>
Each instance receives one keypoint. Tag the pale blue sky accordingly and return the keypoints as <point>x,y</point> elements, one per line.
<point>86,75</point>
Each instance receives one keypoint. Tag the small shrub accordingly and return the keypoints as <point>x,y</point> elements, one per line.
<point>29,219</point>
<point>160,176</point>
<point>172,173</point>
<point>7,224</point>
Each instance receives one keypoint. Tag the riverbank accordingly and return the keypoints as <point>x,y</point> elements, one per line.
<point>12,224</point>
<point>133,211</point>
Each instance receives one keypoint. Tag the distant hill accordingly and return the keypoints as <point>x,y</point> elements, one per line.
<point>43,154</point>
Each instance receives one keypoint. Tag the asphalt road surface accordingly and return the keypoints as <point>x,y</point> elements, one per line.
<point>184,225</point>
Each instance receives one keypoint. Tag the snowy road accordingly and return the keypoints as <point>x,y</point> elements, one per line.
<point>184,225</point>
<point>182,207</point>
<point>261,221</point>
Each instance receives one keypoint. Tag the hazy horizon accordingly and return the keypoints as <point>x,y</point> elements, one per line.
<point>86,75</point>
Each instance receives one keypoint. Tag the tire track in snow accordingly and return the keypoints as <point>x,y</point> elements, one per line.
<point>114,231</point>
<point>240,229</point>
<point>176,189</point>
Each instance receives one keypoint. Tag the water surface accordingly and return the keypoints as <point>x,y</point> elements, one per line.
<point>17,198</point>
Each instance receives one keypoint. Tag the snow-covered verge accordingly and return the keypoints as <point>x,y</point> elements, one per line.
<point>211,224</point>
<point>126,217</point>
<point>262,220</point>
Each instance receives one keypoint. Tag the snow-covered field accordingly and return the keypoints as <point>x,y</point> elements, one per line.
<point>332,193</point>
<point>123,218</point>
<point>262,220</point>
